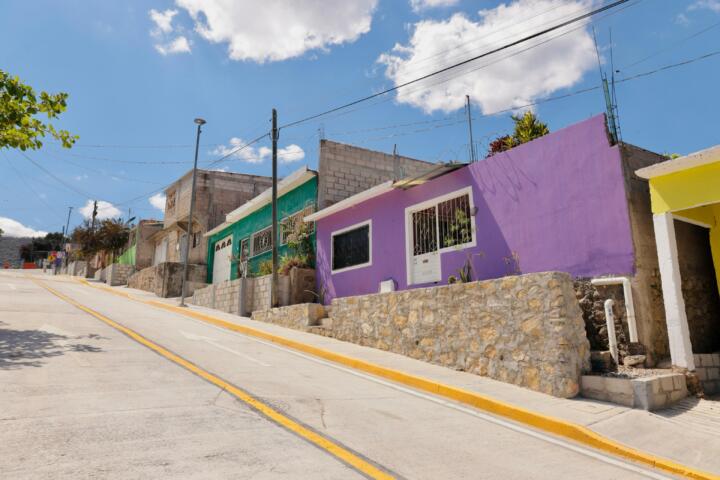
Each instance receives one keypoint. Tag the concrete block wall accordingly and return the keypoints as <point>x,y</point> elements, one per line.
<point>117,274</point>
<point>707,368</point>
<point>647,393</point>
<point>346,170</point>
<point>261,292</point>
<point>165,279</point>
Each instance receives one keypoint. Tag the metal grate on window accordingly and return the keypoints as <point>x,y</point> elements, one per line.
<point>351,248</point>
<point>261,241</point>
<point>454,222</point>
<point>292,224</point>
<point>424,223</point>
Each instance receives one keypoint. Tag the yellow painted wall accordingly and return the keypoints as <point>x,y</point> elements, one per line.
<point>686,189</point>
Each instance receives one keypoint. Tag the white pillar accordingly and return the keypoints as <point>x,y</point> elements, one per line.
<point>675,315</point>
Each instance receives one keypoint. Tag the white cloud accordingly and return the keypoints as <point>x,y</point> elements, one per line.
<point>81,177</point>
<point>158,201</point>
<point>713,5</point>
<point>289,154</point>
<point>13,228</point>
<point>419,5</point>
<point>179,45</point>
<point>505,82</point>
<point>261,30</point>
<point>162,20</point>
<point>105,210</point>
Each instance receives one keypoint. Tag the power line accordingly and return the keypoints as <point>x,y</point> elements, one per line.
<point>56,178</point>
<point>464,62</point>
<point>29,186</point>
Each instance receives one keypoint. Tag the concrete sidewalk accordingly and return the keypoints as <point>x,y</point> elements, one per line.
<point>680,435</point>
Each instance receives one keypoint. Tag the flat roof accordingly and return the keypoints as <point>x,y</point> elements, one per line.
<point>697,159</point>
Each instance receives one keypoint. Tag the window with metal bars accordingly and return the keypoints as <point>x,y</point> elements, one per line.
<point>446,224</point>
<point>291,225</point>
<point>351,248</point>
<point>261,242</point>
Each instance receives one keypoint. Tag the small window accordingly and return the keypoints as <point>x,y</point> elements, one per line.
<point>351,248</point>
<point>217,247</point>
<point>261,242</point>
<point>244,249</point>
<point>454,222</point>
<point>291,224</point>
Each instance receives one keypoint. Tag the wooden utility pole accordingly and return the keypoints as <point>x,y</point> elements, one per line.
<point>274,301</point>
<point>94,214</point>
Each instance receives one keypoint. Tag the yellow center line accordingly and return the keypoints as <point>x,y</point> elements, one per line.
<point>341,453</point>
<point>556,426</point>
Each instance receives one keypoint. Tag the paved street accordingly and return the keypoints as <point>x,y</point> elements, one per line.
<point>80,399</point>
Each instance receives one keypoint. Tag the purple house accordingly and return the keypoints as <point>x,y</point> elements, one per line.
<point>568,201</point>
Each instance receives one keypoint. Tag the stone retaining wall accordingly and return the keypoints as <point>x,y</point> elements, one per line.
<point>647,393</point>
<point>527,330</point>
<point>117,274</point>
<point>165,279</point>
<point>298,316</point>
<point>225,296</point>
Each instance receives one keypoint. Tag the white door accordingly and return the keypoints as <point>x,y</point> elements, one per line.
<point>424,254</point>
<point>160,252</point>
<point>222,261</point>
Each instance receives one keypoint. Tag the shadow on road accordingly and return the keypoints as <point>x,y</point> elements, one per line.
<point>27,348</point>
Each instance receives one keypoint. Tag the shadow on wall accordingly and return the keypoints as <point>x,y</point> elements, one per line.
<point>28,348</point>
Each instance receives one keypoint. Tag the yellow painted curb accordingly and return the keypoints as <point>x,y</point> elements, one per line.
<point>556,426</point>
<point>329,446</point>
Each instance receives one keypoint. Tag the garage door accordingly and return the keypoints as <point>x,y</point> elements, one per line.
<point>222,260</point>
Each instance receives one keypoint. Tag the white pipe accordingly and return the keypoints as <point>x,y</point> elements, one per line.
<point>629,305</point>
<point>610,322</point>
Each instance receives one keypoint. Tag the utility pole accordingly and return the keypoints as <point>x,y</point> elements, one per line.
<point>274,302</point>
<point>94,214</point>
<point>200,122</point>
<point>66,236</point>
<point>469,119</point>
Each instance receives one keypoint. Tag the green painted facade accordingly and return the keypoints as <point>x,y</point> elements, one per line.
<point>288,204</point>
<point>128,257</point>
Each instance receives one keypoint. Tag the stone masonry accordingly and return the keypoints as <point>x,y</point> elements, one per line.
<point>165,279</point>
<point>647,393</point>
<point>299,317</point>
<point>526,330</point>
<point>707,367</point>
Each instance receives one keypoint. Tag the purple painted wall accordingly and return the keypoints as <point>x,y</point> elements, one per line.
<point>558,202</point>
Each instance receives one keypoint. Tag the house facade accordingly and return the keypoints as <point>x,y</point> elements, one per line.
<point>141,248</point>
<point>685,196</point>
<point>568,201</point>
<point>216,194</point>
<point>245,237</point>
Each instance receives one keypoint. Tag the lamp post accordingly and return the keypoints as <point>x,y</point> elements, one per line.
<point>200,122</point>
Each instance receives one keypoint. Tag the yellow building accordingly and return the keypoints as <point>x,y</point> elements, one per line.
<point>685,189</point>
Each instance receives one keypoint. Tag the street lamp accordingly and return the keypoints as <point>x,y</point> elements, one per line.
<point>200,122</point>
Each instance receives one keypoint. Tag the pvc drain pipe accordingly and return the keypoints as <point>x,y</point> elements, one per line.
<point>629,306</point>
<point>610,322</point>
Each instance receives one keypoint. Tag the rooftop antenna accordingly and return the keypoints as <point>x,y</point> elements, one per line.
<point>616,109</point>
<point>609,106</point>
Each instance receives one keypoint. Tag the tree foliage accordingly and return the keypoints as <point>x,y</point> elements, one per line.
<point>110,235</point>
<point>19,109</point>
<point>527,128</point>
<point>48,243</point>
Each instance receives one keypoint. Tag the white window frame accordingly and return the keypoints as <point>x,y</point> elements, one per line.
<point>434,202</point>
<point>252,242</point>
<point>347,229</point>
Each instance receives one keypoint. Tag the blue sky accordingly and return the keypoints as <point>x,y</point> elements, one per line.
<point>138,72</point>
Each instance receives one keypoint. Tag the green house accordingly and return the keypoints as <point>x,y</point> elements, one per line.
<point>248,228</point>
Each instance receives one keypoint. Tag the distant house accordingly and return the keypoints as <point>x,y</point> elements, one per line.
<point>568,201</point>
<point>141,248</point>
<point>246,234</point>
<point>216,194</point>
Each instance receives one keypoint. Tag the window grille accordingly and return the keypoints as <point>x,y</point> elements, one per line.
<point>455,226</point>
<point>447,224</point>
<point>424,231</point>
<point>244,249</point>
<point>261,241</point>
<point>291,224</point>
<point>351,248</point>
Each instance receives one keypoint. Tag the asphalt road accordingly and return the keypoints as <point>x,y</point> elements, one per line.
<point>80,399</point>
